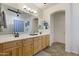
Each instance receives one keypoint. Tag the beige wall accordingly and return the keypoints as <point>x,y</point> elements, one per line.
<point>59,27</point>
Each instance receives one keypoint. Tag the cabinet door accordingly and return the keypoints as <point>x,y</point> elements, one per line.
<point>28,50</point>
<point>37,44</point>
<point>7,52</point>
<point>0,48</point>
<point>18,51</point>
<point>45,41</point>
<point>19,48</point>
<point>28,47</point>
<point>15,51</point>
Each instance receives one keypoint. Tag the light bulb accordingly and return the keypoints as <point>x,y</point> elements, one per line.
<point>35,11</point>
<point>32,11</point>
<point>25,7</point>
<point>28,9</point>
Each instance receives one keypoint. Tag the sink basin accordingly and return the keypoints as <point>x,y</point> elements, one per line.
<point>33,34</point>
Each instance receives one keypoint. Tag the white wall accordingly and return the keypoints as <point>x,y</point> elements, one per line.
<point>59,27</point>
<point>60,7</point>
<point>47,14</point>
<point>71,25</point>
<point>75,27</point>
<point>52,29</point>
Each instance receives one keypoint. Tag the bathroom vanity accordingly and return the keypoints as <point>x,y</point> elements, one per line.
<point>27,46</point>
<point>13,41</point>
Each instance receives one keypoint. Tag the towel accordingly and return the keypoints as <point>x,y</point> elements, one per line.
<point>0,18</point>
<point>3,19</point>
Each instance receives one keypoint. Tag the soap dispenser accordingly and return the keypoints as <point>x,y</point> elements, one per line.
<point>16,34</point>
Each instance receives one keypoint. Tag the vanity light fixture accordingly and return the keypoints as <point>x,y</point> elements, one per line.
<point>29,10</point>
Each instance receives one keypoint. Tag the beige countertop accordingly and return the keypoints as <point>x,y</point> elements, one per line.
<point>10,37</point>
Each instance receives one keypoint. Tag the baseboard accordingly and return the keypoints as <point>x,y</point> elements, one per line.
<point>76,52</point>
<point>72,51</point>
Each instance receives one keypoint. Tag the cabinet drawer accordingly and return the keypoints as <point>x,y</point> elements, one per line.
<point>27,41</point>
<point>9,44</point>
<point>19,43</point>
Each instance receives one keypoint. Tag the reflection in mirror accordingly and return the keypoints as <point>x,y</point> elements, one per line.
<point>23,20</point>
<point>45,24</point>
<point>35,25</point>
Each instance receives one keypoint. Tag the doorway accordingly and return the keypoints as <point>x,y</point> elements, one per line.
<point>58,26</point>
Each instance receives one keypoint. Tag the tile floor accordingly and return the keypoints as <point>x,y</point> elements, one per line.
<point>57,49</point>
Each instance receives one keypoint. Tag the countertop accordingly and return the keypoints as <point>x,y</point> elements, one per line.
<point>10,37</point>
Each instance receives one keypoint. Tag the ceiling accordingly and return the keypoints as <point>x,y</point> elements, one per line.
<point>35,6</point>
<point>43,5</point>
<point>40,5</point>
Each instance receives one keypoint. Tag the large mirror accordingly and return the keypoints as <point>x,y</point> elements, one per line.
<point>14,20</point>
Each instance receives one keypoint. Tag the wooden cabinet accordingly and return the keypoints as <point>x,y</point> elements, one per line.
<point>45,41</point>
<point>15,51</point>
<point>25,47</point>
<point>37,44</point>
<point>40,43</point>
<point>7,45</point>
<point>28,47</point>
<point>0,49</point>
<point>13,48</point>
<point>9,52</point>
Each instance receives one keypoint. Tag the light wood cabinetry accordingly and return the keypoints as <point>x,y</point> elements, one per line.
<point>28,47</point>
<point>37,44</point>
<point>45,41</point>
<point>24,47</point>
<point>9,45</point>
<point>13,48</point>
<point>15,51</point>
<point>0,49</point>
<point>40,43</point>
